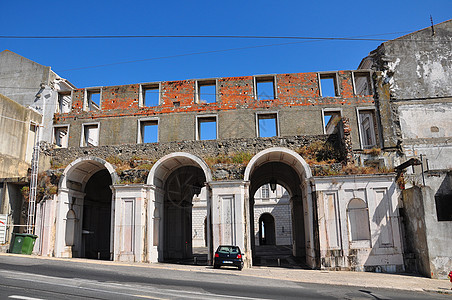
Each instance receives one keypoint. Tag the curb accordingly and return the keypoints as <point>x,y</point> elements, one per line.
<point>439,291</point>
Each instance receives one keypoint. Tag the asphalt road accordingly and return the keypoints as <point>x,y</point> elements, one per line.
<point>31,278</point>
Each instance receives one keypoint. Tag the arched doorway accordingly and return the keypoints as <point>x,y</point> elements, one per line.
<point>180,187</point>
<point>281,166</point>
<point>267,234</point>
<point>84,219</point>
<point>96,223</point>
<point>177,179</point>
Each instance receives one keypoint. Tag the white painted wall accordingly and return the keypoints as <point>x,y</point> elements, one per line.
<point>383,250</point>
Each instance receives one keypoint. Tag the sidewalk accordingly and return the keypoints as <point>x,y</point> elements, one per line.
<point>361,279</point>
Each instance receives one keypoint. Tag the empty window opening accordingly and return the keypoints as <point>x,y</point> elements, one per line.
<point>151,95</point>
<point>207,128</point>
<point>367,127</point>
<point>443,203</point>
<point>207,92</point>
<point>267,125</point>
<point>363,84</point>
<point>90,135</point>
<point>149,131</point>
<point>331,120</point>
<point>328,85</point>
<point>358,218</point>
<point>60,136</point>
<point>265,88</point>
<point>94,98</point>
<point>64,102</point>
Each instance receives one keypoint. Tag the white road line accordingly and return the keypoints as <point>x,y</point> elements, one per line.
<point>23,297</point>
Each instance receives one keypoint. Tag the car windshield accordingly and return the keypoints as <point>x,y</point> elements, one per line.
<point>228,249</point>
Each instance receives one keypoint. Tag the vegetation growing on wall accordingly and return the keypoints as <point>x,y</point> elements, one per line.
<point>319,153</point>
<point>241,158</point>
<point>47,186</point>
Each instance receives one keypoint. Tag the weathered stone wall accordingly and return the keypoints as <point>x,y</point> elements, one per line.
<point>227,158</point>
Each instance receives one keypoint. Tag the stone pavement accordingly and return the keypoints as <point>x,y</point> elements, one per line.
<point>361,279</point>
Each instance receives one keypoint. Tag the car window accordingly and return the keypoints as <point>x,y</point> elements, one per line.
<point>226,249</point>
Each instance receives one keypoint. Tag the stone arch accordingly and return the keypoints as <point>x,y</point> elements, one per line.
<point>285,167</point>
<point>288,156</point>
<point>162,181</point>
<point>171,162</point>
<point>81,169</point>
<point>69,240</point>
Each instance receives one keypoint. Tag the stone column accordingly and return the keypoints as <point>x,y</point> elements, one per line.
<point>230,216</point>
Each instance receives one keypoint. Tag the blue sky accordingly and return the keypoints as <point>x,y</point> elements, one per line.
<point>267,18</point>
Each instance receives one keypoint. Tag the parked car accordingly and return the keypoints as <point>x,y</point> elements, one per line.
<point>228,256</point>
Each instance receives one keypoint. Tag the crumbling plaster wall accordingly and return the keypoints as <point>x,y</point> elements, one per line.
<point>417,65</point>
<point>415,232</point>
<point>16,142</point>
<point>426,236</point>
<point>415,70</point>
<point>21,78</point>
<point>32,85</point>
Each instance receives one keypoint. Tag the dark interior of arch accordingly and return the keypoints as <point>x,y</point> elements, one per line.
<point>180,187</point>
<point>284,175</point>
<point>96,226</point>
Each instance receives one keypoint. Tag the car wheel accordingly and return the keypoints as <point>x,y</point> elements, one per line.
<point>216,266</point>
<point>240,268</point>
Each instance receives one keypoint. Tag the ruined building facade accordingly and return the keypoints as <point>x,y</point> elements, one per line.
<point>128,168</point>
<point>148,216</point>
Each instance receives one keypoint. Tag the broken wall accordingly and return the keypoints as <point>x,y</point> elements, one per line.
<point>297,105</point>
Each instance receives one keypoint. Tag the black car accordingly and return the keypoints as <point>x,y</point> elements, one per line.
<point>228,256</point>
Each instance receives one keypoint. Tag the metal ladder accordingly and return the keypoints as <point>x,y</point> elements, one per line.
<point>33,185</point>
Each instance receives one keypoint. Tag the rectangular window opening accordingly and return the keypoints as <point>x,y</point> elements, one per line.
<point>328,85</point>
<point>151,95</point>
<point>149,131</point>
<point>331,120</point>
<point>265,88</point>
<point>207,128</point>
<point>267,125</point>
<point>94,98</point>
<point>367,125</point>
<point>90,136</point>
<point>60,136</point>
<point>64,102</point>
<point>363,84</point>
<point>207,92</point>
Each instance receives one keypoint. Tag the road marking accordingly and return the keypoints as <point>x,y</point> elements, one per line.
<point>23,297</point>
